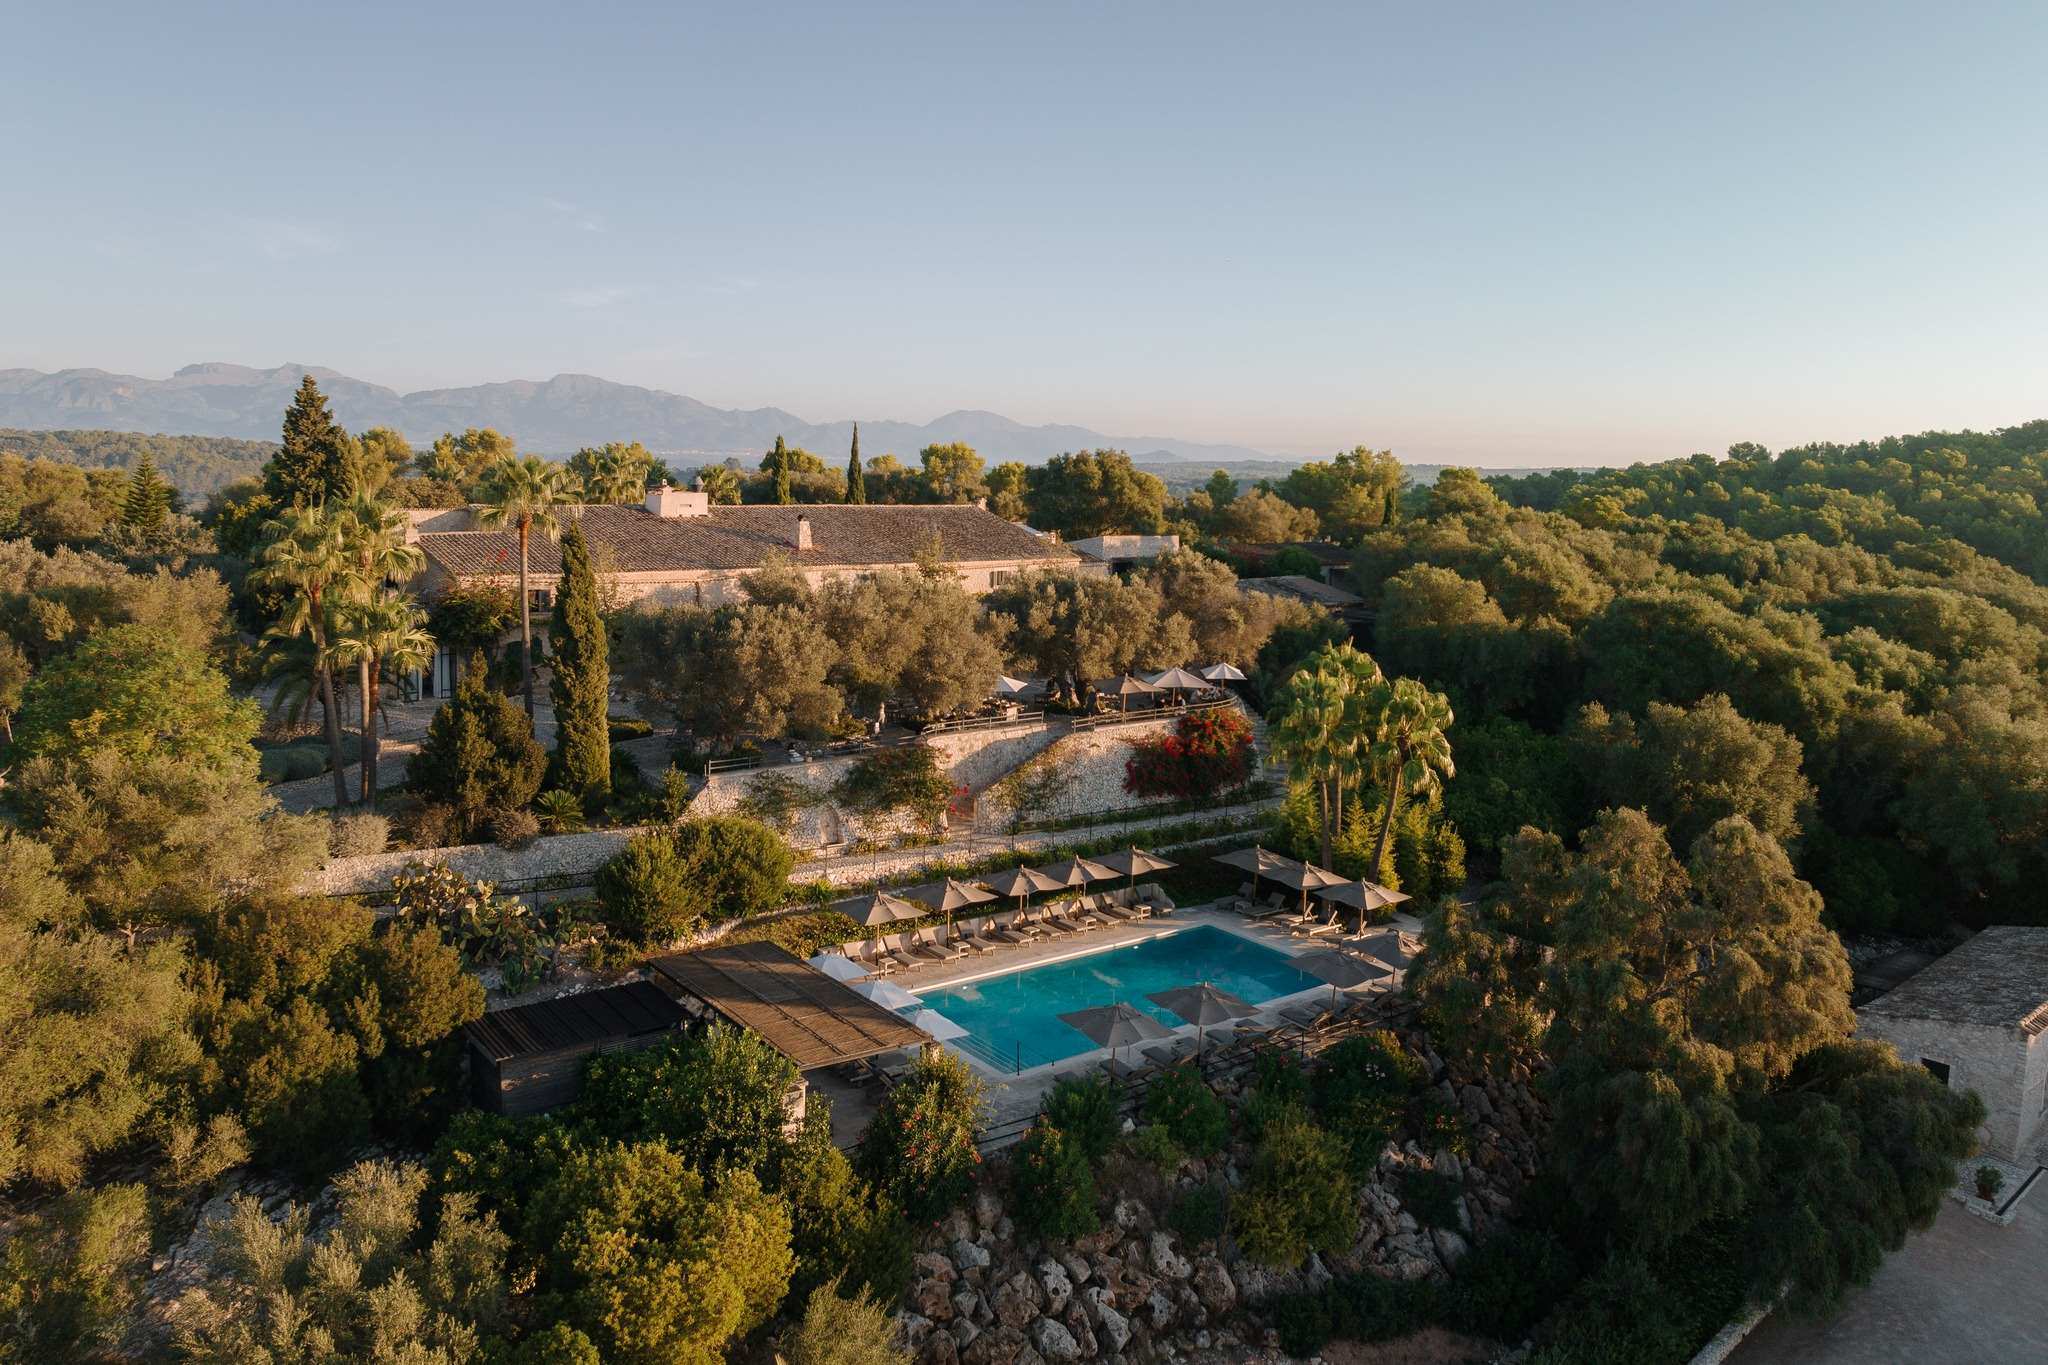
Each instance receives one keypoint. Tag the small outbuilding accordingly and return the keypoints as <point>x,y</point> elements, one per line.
<point>1977,1018</point>
<point>530,1058</point>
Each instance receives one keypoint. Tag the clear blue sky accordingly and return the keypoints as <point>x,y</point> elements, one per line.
<point>1500,234</point>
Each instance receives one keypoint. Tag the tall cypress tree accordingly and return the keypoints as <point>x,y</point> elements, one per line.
<point>582,677</point>
<point>778,462</point>
<point>148,504</point>
<point>856,483</point>
<point>317,458</point>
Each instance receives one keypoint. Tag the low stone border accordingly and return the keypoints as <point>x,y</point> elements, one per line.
<point>1723,1343</point>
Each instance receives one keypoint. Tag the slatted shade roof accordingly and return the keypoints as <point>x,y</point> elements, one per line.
<point>628,1011</point>
<point>802,1013</point>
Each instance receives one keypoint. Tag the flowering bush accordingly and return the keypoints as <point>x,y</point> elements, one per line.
<point>1208,752</point>
<point>920,1146</point>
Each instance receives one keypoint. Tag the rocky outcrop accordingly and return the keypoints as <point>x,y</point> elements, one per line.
<point>1134,1291</point>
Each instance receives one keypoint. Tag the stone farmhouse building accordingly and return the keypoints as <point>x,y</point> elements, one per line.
<point>1978,1019</point>
<point>680,548</point>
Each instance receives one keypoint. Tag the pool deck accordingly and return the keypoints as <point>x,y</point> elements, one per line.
<point>1016,1095</point>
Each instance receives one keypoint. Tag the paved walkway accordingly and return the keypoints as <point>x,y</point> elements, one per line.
<point>1964,1292</point>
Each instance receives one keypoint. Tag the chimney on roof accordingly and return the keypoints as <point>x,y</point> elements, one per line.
<point>802,539</point>
<point>678,502</point>
<point>982,503</point>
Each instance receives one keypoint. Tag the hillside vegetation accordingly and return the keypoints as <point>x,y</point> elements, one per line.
<point>1846,644</point>
<point>194,465</point>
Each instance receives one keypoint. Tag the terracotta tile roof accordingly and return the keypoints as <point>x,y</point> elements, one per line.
<point>739,538</point>
<point>1998,979</point>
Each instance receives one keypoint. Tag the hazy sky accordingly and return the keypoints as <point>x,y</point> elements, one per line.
<point>1500,234</point>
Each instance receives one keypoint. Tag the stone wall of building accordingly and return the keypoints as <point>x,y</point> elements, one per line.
<point>2007,1068</point>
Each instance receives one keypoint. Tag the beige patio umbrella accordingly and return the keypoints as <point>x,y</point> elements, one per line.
<point>1364,897</point>
<point>1076,872</point>
<point>1260,862</point>
<point>1134,862</point>
<point>1179,680</point>
<point>1124,687</point>
<point>949,896</point>
<point>1021,882</point>
<point>880,910</point>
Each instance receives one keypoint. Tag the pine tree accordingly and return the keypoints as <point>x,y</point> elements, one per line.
<point>778,461</point>
<point>148,504</point>
<point>856,483</point>
<point>317,459</point>
<point>582,677</point>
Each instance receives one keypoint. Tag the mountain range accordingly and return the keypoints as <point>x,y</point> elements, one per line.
<point>549,417</point>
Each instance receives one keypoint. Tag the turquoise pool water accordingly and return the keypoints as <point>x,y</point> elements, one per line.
<point>1013,1020</point>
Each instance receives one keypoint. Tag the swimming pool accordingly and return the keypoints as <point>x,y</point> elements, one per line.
<point>1012,1020</point>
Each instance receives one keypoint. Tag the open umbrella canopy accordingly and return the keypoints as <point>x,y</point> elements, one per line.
<point>1021,881</point>
<point>838,966</point>
<point>1134,862</point>
<point>1217,673</point>
<point>1258,861</point>
<point>1125,685</point>
<point>1179,680</point>
<point>1117,1025</point>
<point>1362,895</point>
<point>1076,872</point>
<point>948,895</point>
<point>1345,971</point>
<point>1204,1004</point>
<point>1007,686</point>
<point>942,1029</point>
<point>874,911</point>
<point>1389,949</point>
<point>887,994</point>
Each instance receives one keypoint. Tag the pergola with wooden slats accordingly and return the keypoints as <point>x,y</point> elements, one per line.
<point>798,1010</point>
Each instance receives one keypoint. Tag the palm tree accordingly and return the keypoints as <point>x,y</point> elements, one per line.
<point>1412,749</point>
<point>303,553</point>
<point>373,538</point>
<point>522,492</point>
<point>618,474</point>
<point>385,633</point>
<point>721,486</point>
<point>1304,732</point>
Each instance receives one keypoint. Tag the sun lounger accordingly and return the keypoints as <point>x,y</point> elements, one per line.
<point>1308,1016</point>
<point>981,943</point>
<point>1116,1068</point>
<point>1058,924</point>
<point>1121,915</point>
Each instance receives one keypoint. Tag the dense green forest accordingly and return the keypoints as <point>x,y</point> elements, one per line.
<point>194,465</point>
<point>1845,643</point>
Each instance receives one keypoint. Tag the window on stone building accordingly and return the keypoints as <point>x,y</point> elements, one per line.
<point>1938,1070</point>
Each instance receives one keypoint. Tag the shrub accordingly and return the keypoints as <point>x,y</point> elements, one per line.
<point>559,812</point>
<point>714,1096</point>
<point>357,835</point>
<point>920,1145</point>
<point>623,728</point>
<point>1360,1088</point>
<point>1990,1180</point>
<point>479,752</point>
<point>676,793</point>
<point>645,891</point>
<point>842,1228</point>
<point>1359,1308</point>
<point>1198,1215</point>
<point>1085,1109</point>
<point>740,866</point>
<point>1154,1146</point>
<point>511,828</point>
<point>1508,1283</point>
<point>1431,1197</point>
<point>1054,1187</point>
<point>839,1331</point>
<point>1182,1101</point>
<point>1622,1315</point>
<point>1297,1199</point>
<point>1440,1124</point>
<point>1280,1090</point>
<point>433,825</point>
<point>1209,752</point>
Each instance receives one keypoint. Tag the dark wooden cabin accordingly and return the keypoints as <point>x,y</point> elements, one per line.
<point>530,1058</point>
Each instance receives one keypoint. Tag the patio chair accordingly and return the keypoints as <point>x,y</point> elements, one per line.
<point>1277,901</point>
<point>981,940</point>
<point>875,958</point>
